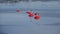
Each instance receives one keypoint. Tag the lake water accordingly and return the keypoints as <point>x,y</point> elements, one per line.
<point>16,23</point>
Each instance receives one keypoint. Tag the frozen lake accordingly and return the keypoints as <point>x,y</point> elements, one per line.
<point>16,23</point>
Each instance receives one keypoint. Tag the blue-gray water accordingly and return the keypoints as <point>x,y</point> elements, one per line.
<point>19,23</point>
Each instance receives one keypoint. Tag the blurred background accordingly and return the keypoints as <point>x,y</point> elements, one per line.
<point>12,22</point>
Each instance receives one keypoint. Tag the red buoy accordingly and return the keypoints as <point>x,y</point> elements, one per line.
<point>37,17</point>
<point>17,10</point>
<point>30,14</point>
